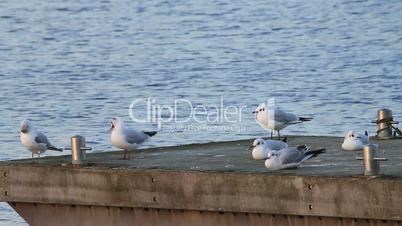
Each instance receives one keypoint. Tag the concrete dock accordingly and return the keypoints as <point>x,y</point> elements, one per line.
<point>207,184</point>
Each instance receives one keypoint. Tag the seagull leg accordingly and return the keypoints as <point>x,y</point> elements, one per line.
<point>279,135</point>
<point>271,134</point>
<point>33,158</point>
<point>125,154</point>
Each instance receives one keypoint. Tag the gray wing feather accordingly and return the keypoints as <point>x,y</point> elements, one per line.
<point>275,145</point>
<point>134,136</point>
<point>290,155</point>
<point>284,117</point>
<point>41,138</point>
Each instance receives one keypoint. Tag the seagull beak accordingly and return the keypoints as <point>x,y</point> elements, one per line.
<point>111,127</point>
<point>24,129</point>
<point>359,137</point>
<point>254,112</point>
<point>250,148</point>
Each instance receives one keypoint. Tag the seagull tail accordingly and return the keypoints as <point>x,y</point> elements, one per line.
<point>305,119</point>
<point>151,133</point>
<point>314,153</point>
<point>310,154</point>
<point>53,148</point>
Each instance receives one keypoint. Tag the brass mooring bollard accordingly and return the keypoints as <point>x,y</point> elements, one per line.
<point>371,161</point>
<point>78,150</point>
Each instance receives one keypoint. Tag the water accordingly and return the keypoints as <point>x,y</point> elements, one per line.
<point>70,66</point>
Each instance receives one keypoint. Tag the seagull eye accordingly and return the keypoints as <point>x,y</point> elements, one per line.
<point>258,143</point>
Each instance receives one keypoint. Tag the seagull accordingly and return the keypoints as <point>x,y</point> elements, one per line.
<point>34,140</point>
<point>127,139</point>
<point>354,141</point>
<point>276,119</point>
<point>261,147</point>
<point>290,157</point>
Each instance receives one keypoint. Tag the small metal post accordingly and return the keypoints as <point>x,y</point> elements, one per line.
<point>371,161</point>
<point>371,166</point>
<point>78,150</point>
<point>384,130</point>
<point>76,142</point>
<point>385,124</point>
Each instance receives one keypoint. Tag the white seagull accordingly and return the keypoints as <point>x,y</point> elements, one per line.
<point>34,140</point>
<point>261,147</point>
<point>354,141</point>
<point>127,139</point>
<point>276,119</point>
<point>290,157</point>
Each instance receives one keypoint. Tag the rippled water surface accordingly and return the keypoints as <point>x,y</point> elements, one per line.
<point>70,66</point>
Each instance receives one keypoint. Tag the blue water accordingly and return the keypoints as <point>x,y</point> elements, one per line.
<point>70,66</point>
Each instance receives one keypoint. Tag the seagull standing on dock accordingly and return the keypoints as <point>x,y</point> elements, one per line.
<point>34,140</point>
<point>276,119</point>
<point>354,141</point>
<point>290,157</point>
<point>127,139</point>
<point>261,147</point>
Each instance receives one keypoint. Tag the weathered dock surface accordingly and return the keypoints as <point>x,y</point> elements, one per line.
<point>206,184</point>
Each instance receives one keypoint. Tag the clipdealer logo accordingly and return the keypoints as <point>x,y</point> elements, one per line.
<point>183,115</point>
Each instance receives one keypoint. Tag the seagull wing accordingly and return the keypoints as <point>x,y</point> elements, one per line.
<point>275,145</point>
<point>134,136</point>
<point>285,117</point>
<point>42,139</point>
<point>290,155</point>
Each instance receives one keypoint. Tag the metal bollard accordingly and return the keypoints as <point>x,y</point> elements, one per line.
<point>385,123</point>
<point>78,150</point>
<point>371,161</point>
<point>384,130</point>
